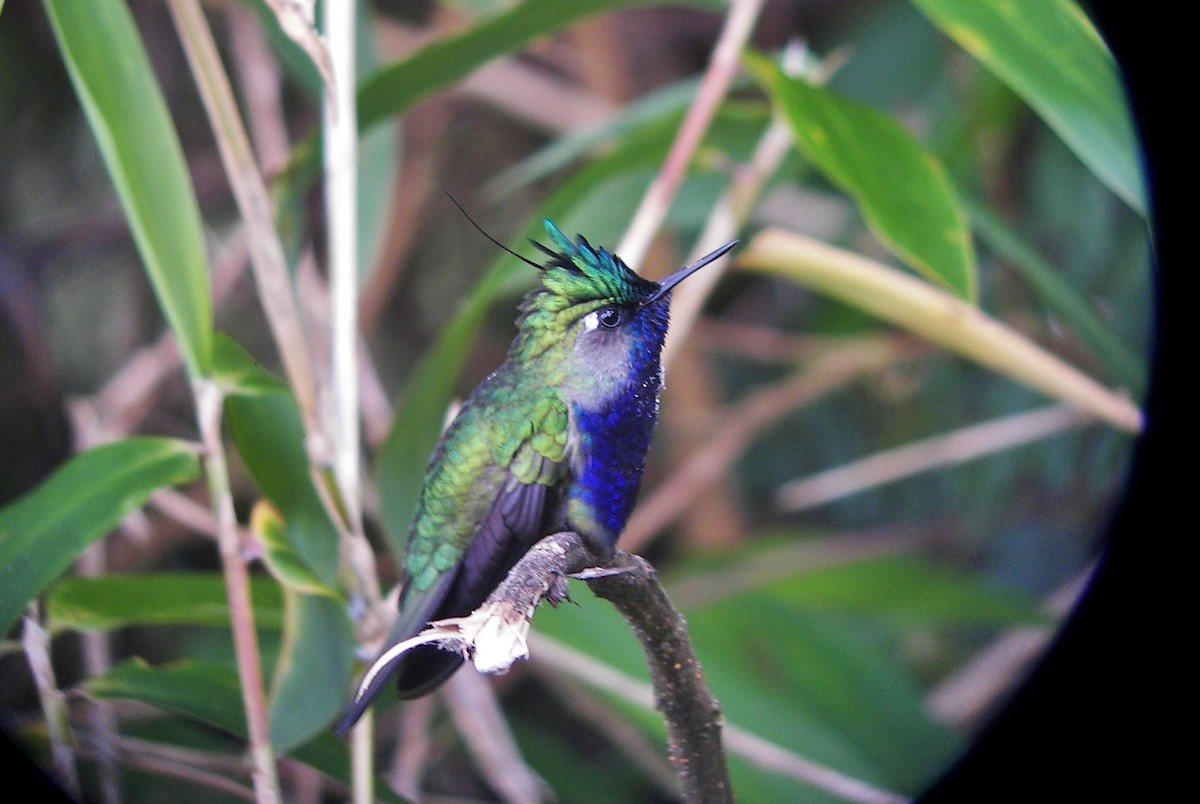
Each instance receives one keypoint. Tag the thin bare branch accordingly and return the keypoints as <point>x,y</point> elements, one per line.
<point>622,734</point>
<point>207,768</point>
<point>793,559</point>
<point>412,748</point>
<point>948,449</point>
<point>36,642</point>
<point>726,219</point>
<point>478,717</point>
<point>184,510</point>
<point>209,399</point>
<point>772,757</point>
<point>261,81</point>
<point>965,698</point>
<point>714,85</point>
<point>250,191</point>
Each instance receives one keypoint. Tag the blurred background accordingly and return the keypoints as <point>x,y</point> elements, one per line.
<point>851,627</point>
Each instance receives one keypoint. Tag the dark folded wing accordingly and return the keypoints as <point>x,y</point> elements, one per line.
<point>513,524</point>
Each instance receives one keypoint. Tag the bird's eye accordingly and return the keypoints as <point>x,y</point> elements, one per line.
<point>610,317</point>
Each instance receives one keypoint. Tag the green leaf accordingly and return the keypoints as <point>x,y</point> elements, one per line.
<point>209,692</point>
<point>281,556</point>
<point>44,531</point>
<point>269,437</point>
<point>313,671</point>
<point>909,591</point>
<point>825,688</point>
<point>399,86</point>
<point>1126,369</point>
<point>173,598</point>
<point>206,691</point>
<point>116,87</point>
<point>379,157</point>
<point>238,373</point>
<point>901,189</point>
<point>292,57</point>
<point>1050,54</point>
<point>935,315</point>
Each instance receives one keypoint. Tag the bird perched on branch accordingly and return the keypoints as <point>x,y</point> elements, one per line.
<point>555,439</point>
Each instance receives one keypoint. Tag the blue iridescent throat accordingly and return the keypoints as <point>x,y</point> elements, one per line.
<point>617,435</point>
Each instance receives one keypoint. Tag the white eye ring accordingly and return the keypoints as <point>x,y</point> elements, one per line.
<point>591,320</point>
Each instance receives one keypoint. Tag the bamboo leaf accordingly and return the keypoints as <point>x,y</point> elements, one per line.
<point>399,86</point>
<point>1049,53</point>
<point>1124,366</point>
<point>209,692</point>
<point>206,691</point>
<point>902,190</point>
<point>43,532</point>
<point>281,556</point>
<point>173,598</point>
<point>116,87</point>
<point>313,669</point>
<point>935,315</point>
<point>238,373</point>
<point>269,437</point>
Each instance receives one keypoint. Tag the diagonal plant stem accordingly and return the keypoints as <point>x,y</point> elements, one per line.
<point>718,77</point>
<point>36,642</point>
<point>947,449</point>
<point>728,216</point>
<point>480,721</point>
<point>266,251</point>
<point>963,699</point>
<point>209,401</point>
<point>267,259</point>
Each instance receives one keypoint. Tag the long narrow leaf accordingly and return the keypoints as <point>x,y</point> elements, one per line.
<point>1124,366</point>
<point>171,598</point>
<point>1052,56</point>
<point>902,190</point>
<point>313,670</point>
<point>43,532</point>
<point>394,89</point>
<point>116,87</point>
<point>209,692</point>
<point>935,315</point>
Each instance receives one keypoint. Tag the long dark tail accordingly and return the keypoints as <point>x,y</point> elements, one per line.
<point>418,672</point>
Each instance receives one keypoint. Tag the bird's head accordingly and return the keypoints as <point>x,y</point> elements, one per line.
<point>596,312</point>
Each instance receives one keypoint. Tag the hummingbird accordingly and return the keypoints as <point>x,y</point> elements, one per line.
<point>554,439</point>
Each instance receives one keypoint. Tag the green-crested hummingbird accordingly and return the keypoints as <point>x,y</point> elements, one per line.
<point>555,439</point>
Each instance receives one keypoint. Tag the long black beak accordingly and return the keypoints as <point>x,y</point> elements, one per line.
<point>683,273</point>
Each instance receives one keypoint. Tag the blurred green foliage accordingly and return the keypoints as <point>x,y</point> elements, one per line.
<point>833,659</point>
